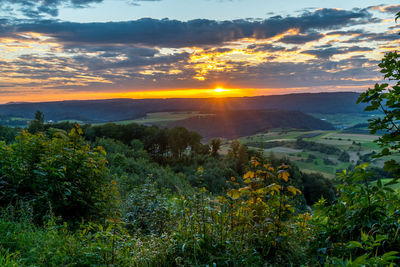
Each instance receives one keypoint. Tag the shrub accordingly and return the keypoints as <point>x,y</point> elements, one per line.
<point>363,212</point>
<point>147,210</point>
<point>60,174</point>
<point>253,225</point>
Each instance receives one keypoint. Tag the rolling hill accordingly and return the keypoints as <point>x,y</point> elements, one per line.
<point>234,124</point>
<point>125,109</point>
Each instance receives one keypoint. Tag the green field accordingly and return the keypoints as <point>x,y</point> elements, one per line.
<point>13,121</point>
<point>73,121</point>
<point>356,145</point>
<point>163,118</point>
<point>344,120</point>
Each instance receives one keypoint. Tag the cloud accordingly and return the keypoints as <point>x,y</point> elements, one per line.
<point>136,2</point>
<point>133,61</point>
<point>158,54</point>
<point>265,48</point>
<point>386,9</point>
<point>301,38</point>
<point>38,8</point>
<point>329,52</point>
<point>200,32</point>
<point>113,51</point>
<point>373,37</point>
<point>35,8</point>
<point>349,32</point>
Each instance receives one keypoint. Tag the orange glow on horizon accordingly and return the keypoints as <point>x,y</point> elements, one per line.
<point>43,96</point>
<point>218,92</point>
<point>221,90</point>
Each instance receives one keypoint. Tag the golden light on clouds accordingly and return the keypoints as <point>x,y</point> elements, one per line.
<point>227,59</point>
<point>55,66</point>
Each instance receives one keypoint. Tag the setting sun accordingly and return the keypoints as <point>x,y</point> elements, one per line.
<point>220,90</point>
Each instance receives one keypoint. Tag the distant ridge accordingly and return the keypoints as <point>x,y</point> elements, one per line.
<point>234,124</point>
<point>123,109</point>
<point>12,102</point>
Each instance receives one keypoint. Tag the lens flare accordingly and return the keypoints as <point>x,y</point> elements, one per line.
<point>220,90</point>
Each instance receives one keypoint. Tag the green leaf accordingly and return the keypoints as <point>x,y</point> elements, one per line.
<point>354,244</point>
<point>389,256</point>
<point>361,260</point>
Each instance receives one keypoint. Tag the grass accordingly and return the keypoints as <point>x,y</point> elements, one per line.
<point>277,134</point>
<point>344,120</point>
<point>73,121</point>
<point>354,144</point>
<point>163,118</point>
<point>18,119</point>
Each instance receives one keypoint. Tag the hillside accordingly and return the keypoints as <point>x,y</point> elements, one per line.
<point>233,124</point>
<point>125,109</point>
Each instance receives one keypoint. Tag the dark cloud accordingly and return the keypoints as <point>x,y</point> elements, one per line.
<point>392,9</point>
<point>6,29</point>
<point>113,51</point>
<point>130,54</point>
<point>127,73</point>
<point>265,48</point>
<point>387,9</point>
<point>329,52</point>
<point>35,8</point>
<point>133,61</point>
<point>349,32</point>
<point>201,32</point>
<point>373,37</point>
<point>301,38</point>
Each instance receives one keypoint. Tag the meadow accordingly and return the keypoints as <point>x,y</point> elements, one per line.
<point>358,146</point>
<point>163,118</point>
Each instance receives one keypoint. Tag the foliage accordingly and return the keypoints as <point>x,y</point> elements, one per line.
<point>253,225</point>
<point>147,210</point>
<point>344,156</point>
<point>164,145</point>
<point>213,175</point>
<point>238,153</point>
<point>109,244</point>
<point>129,164</point>
<point>37,124</point>
<point>363,212</point>
<point>8,134</point>
<point>370,245</point>
<point>385,98</point>
<point>215,146</point>
<point>315,186</point>
<point>8,259</point>
<point>62,175</point>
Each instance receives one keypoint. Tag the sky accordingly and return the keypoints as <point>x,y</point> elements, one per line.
<point>96,49</point>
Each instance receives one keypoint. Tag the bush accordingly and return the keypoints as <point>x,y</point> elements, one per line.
<point>25,244</point>
<point>362,214</point>
<point>252,226</point>
<point>147,210</point>
<point>315,186</point>
<point>62,175</point>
